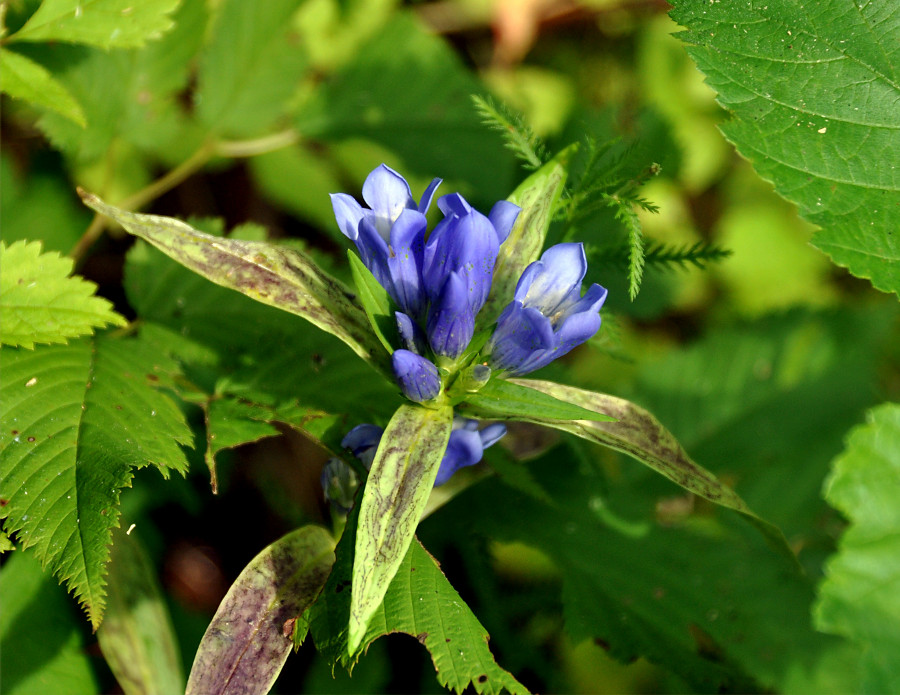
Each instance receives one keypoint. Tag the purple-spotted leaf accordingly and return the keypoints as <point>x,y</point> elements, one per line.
<point>136,635</point>
<point>281,277</point>
<point>640,435</point>
<point>538,196</point>
<point>396,492</point>
<point>249,638</point>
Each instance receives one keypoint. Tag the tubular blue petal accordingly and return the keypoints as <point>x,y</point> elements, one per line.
<point>362,441</point>
<point>348,213</point>
<point>562,268</point>
<point>451,322</point>
<point>388,194</point>
<point>373,250</point>
<point>418,377</point>
<point>576,329</point>
<point>454,204</point>
<point>425,203</point>
<point>463,449</point>
<point>411,335</point>
<point>503,216</point>
<point>491,434</point>
<point>404,261</point>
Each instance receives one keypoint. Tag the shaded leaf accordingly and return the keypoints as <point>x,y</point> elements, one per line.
<point>40,303</point>
<point>860,596</point>
<point>249,638</point>
<point>831,146</point>
<point>397,489</point>
<point>22,78</point>
<point>278,276</point>
<point>102,23</point>
<point>250,67</point>
<point>77,420</point>
<point>136,635</point>
<point>419,602</point>
<point>42,631</point>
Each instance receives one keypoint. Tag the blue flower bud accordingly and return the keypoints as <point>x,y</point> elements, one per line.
<point>418,377</point>
<point>411,336</point>
<point>451,322</point>
<point>339,484</point>
<point>548,316</point>
<point>362,441</point>
<point>466,446</point>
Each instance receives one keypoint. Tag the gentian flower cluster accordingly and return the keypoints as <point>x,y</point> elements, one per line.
<point>439,283</point>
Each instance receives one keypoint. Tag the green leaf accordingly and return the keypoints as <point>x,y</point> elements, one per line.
<point>419,602</point>
<point>102,23</point>
<point>406,90</point>
<point>503,399</point>
<point>705,597</point>
<point>40,303</point>
<point>830,147</point>
<point>278,276</point>
<point>538,196</point>
<point>375,300</point>
<point>40,626</point>
<point>136,636</point>
<point>249,638</point>
<point>250,68</point>
<point>24,79</point>
<point>860,596</point>
<point>397,489</point>
<point>77,420</point>
<point>640,435</point>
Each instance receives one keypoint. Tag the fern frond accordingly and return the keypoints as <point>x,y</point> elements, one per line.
<point>662,256</point>
<point>517,135</point>
<point>626,214</point>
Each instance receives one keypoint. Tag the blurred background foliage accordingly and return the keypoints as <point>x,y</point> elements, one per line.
<point>759,362</point>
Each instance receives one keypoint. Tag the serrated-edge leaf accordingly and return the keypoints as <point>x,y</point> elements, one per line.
<point>508,399</point>
<point>538,196</point>
<point>640,435</point>
<point>41,303</point>
<point>249,638</point>
<point>22,78</point>
<point>102,23</point>
<point>281,277</point>
<point>397,489</point>
<point>136,636</point>
<point>375,301</point>
<point>860,596</point>
<point>77,419</point>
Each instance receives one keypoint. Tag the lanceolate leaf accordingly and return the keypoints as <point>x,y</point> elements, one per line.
<point>506,399</point>
<point>22,78</point>
<point>421,603</point>
<point>249,638</point>
<point>814,89</point>
<point>136,635</point>
<point>860,597</point>
<point>397,489</point>
<point>40,303</point>
<point>538,196</point>
<point>77,419</point>
<point>281,277</point>
<point>103,23</point>
<point>640,435</point>
<point>375,300</point>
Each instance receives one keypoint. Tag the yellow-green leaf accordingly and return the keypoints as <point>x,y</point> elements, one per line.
<point>22,78</point>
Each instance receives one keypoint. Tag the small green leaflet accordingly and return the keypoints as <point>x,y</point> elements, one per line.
<point>136,636</point>
<point>860,596</point>
<point>397,489</point>
<point>40,303</point>
<point>77,419</point>
<point>375,300</point>
<point>22,78</point>
<point>249,638</point>
<point>102,23</point>
<point>509,400</point>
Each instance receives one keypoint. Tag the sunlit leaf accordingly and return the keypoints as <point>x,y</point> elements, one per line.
<point>397,489</point>
<point>40,303</point>
<point>507,399</point>
<point>249,638</point>
<point>860,597</point>
<point>22,78</point>
<point>136,635</point>
<point>813,89</point>
<point>77,420</point>
<point>375,300</point>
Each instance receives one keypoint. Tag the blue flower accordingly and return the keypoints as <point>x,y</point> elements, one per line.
<point>548,316</point>
<point>458,268</point>
<point>465,448</point>
<point>418,377</point>
<point>390,234</point>
<point>339,483</point>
